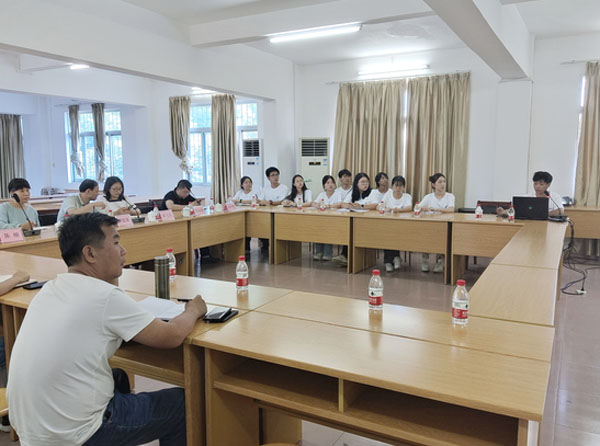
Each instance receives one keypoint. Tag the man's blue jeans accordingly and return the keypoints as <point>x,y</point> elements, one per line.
<point>141,418</point>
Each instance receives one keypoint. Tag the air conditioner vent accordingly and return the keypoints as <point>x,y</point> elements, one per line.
<point>251,147</point>
<point>315,147</point>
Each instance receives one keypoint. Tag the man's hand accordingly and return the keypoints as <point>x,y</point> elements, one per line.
<point>27,226</point>
<point>20,277</point>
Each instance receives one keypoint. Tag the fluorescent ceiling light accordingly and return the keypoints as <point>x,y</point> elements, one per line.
<point>78,66</point>
<point>313,33</point>
<point>396,68</point>
<point>199,90</point>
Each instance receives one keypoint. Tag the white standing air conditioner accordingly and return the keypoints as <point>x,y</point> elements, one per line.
<point>252,165</point>
<point>314,162</point>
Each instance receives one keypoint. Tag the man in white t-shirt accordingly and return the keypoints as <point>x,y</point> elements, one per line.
<point>61,390</point>
<point>345,177</point>
<point>541,183</point>
<point>274,192</point>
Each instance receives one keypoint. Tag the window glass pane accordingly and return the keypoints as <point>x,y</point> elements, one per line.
<point>208,152</point>
<point>89,156</point>
<point>113,152</point>
<point>112,121</point>
<point>196,158</point>
<point>249,135</point>
<point>246,114</point>
<point>200,116</point>
<point>86,123</point>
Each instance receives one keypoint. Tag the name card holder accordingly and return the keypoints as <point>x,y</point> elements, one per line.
<point>229,207</point>
<point>11,235</point>
<point>124,221</point>
<point>166,215</point>
<point>198,210</point>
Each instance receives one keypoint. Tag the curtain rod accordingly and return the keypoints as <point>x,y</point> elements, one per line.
<point>392,78</point>
<point>571,62</point>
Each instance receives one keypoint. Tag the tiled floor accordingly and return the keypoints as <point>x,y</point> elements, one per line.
<point>572,413</point>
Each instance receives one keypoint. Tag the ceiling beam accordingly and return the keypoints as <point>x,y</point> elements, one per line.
<point>495,32</point>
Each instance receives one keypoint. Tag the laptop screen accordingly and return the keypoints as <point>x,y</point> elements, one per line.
<point>531,208</point>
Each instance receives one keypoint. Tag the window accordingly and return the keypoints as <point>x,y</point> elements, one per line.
<point>200,151</point>
<point>113,147</point>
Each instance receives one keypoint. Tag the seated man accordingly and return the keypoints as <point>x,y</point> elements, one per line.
<point>541,183</point>
<point>180,197</point>
<point>61,389</point>
<point>82,202</point>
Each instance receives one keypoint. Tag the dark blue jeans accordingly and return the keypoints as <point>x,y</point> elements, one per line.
<point>134,419</point>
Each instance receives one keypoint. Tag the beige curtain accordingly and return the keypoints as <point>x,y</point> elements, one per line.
<point>369,128</point>
<point>225,161</point>
<point>12,164</point>
<point>179,109</point>
<point>437,137</point>
<point>587,180</point>
<point>74,125</point>
<point>98,117</point>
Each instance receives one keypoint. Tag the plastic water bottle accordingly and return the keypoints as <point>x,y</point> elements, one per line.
<point>460,304</point>
<point>322,205</point>
<point>381,208</point>
<point>299,203</point>
<point>254,201</point>
<point>229,203</point>
<point>172,264</point>
<point>511,214</point>
<point>110,213</point>
<point>376,291</point>
<point>478,211</point>
<point>211,206</point>
<point>417,210</point>
<point>241,274</point>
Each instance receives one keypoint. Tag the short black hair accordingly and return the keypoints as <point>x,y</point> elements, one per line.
<point>357,194</point>
<point>110,181</point>
<point>293,191</point>
<point>184,184</point>
<point>436,176</point>
<point>343,172</point>
<point>244,178</point>
<point>326,178</point>
<point>17,184</point>
<point>81,230</point>
<point>271,170</point>
<point>546,177</point>
<point>379,176</point>
<point>87,184</point>
<point>399,179</point>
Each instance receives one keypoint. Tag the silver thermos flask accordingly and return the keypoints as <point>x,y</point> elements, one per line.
<point>161,277</point>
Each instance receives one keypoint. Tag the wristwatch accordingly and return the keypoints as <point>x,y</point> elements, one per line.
<point>362,205</point>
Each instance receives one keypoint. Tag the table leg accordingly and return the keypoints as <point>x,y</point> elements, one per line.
<point>193,366</point>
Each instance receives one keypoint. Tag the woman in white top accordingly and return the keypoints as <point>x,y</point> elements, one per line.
<point>114,198</point>
<point>382,181</point>
<point>397,201</point>
<point>330,198</point>
<point>299,192</point>
<point>437,201</point>
<point>245,194</point>
<point>362,196</point>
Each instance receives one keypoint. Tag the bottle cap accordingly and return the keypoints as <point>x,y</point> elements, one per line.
<point>376,272</point>
<point>242,258</point>
<point>169,249</point>
<point>461,282</point>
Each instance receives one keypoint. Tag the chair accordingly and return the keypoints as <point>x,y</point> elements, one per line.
<point>3,403</point>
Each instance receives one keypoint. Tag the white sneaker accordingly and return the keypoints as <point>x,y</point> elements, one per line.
<point>318,256</point>
<point>389,267</point>
<point>425,267</point>
<point>439,267</point>
<point>326,258</point>
<point>341,259</point>
<point>397,262</point>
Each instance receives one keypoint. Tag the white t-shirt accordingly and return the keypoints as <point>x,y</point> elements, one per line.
<point>307,196</point>
<point>343,192</point>
<point>334,199</point>
<point>557,198</point>
<point>431,201</point>
<point>269,194</point>
<point>113,205</point>
<point>372,198</point>
<point>378,196</point>
<point>241,195</point>
<point>397,203</point>
<point>60,381</point>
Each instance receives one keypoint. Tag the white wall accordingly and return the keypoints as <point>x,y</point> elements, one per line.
<point>555,112</point>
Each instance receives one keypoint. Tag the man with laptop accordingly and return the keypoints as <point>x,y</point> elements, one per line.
<point>532,208</point>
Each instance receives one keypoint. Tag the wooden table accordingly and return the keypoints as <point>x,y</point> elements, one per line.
<point>586,221</point>
<point>292,227</point>
<point>404,232</point>
<point>259,224</point>
<point>383,386</point>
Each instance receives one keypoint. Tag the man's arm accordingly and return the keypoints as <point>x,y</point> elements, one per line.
<point>161,334</point>
<point>15,279</point>
<point>177,207</point>
<point>87,208</point>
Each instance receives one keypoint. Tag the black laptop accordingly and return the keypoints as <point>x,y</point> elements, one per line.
<point>531,208</point>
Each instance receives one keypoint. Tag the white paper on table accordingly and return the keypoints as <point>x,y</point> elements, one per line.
<point>164,309</point>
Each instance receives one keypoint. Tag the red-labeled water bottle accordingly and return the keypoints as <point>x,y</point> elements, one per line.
<point>376,291</point>
<point>241,274</point>
<point>511,213</point>
<point>172,264</point>
<point>478,211</point>
<point>460,304</point>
